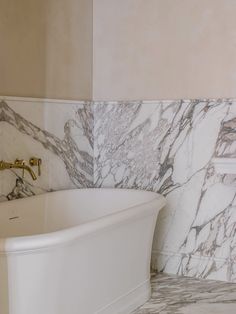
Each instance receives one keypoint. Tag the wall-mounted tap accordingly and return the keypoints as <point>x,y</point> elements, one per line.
<point>34,161</point>
<point>18,164</point>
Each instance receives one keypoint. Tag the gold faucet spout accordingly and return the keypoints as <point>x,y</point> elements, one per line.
<point>27,168</point>
<point>7,165</point>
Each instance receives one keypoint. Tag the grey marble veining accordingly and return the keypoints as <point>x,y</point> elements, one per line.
<point>226,144</point>
<point>182,295</point>
<point>61,134</point>
<point>168,147</point>
<point>162,146</point>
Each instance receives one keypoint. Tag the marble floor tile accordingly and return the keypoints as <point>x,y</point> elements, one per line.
<point>184,295</point>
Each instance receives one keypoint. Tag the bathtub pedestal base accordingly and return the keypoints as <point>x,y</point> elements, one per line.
<point>130,301</point>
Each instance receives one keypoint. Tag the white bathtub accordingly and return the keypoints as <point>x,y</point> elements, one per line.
<point>77,252</point>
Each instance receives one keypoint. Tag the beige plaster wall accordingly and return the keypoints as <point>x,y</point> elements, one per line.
<point>158,49</point>
<point>46,48</point>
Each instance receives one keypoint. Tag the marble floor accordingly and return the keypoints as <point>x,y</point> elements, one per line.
<point>184,295</point>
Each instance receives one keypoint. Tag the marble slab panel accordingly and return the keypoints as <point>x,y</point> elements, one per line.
<point>168,147</point>
<point>59,133</point>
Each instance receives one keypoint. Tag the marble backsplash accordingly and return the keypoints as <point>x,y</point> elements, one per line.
<point>59,133</point>
<point>163,146</point>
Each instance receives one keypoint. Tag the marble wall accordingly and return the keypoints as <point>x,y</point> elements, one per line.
<point>162,146</point>
<point>168,147</point>
<point>60,133</point>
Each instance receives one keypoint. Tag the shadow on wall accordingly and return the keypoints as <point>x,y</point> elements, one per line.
<point>48,51</point>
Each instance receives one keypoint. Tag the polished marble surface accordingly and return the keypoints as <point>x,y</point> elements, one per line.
<point>168,147</point>
<point>60,133</point>
<point>184,295</point>
<point>162,146</point>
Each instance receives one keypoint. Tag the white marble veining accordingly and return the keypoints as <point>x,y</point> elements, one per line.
<point>182,295</point>
<point>168,147</point>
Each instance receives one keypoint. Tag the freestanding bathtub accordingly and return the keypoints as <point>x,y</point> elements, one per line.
<point>77,252</point>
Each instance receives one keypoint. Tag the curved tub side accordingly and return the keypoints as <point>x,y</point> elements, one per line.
<point>62,237</point>
<point>107,260</point>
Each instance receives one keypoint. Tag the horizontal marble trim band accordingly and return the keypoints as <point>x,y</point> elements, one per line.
<point>117,102</point>
<point>46,100</point>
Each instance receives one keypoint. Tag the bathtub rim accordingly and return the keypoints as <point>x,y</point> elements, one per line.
<point>44,241</point>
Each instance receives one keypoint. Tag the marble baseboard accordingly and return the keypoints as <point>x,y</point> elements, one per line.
<point>209,267</point>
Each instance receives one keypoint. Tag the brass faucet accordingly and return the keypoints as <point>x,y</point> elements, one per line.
<point>34,161</point>
<point>18,164</point>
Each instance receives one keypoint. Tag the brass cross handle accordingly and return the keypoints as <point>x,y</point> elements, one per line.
<point>21,162</point>
<point>36,162</point>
